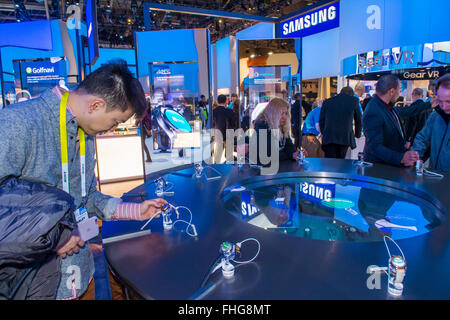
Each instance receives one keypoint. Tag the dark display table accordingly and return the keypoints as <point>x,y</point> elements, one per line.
<point>172,265</point>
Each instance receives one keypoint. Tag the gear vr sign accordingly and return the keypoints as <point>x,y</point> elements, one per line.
<point>319,20</point>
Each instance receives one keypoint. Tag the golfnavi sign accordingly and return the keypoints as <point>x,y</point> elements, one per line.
<point>44,71</point>
<point>315,21</point>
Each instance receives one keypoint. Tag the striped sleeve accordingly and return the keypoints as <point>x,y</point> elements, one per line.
<point>127,211</point>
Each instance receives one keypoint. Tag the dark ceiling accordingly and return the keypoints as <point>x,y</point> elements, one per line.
<point>118,19</point>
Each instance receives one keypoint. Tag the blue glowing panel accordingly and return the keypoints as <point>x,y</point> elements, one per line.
<point>384,24</point>
<point>92,30</point>
<point>32,35</point>
<point>315,21</point>
<point>164,46</point>
<point>321,55</point>
<point>177,121</point>
<point>223,63</point>
<point>259,31</point>
<point>175,78</point>
<point>401,225</point>
<point>361,26</point>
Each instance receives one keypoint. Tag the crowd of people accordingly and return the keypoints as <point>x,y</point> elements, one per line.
<point>395,134</point>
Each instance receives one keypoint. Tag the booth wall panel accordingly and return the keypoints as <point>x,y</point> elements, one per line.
<point>108,54</point>
<point>262,30</point>
<point>223,48</point>
<point>402,23</point>
<point>321,55</point>
<point>164,46</point>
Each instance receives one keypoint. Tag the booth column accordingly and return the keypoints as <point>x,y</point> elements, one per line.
<point>1,81</point>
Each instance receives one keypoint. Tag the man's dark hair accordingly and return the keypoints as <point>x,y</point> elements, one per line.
<point>443,81</point>
<point>115,84</point>
<point>202,96</point>
<point>386,83</point>
<point>221,99</point>
<point>297,95</point>
<point>347,90</point>
<point>418,92</point>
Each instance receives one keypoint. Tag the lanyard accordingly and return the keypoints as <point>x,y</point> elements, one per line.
<point>64,154</point>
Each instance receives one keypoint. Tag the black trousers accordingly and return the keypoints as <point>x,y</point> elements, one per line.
<point>333,150</point>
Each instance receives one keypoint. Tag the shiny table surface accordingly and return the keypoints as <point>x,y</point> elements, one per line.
<point>172,265</point>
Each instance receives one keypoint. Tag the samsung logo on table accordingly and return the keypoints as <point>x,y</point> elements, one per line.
<point>318,191</point>
<point>322,19</point>
<point>40,70</point>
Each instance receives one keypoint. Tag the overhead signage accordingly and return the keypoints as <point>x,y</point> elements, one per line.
<point>393,58</point>
<point>401,60</point>
<point>319,20</point>
<point>421,74</point>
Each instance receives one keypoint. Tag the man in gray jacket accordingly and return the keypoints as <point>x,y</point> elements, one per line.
<point>436,135</point>
<point>50,140</point>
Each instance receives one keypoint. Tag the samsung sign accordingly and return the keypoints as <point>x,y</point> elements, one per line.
<point>319,20</point>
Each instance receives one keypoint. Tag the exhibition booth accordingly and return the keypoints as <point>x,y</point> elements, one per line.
<point>315,229</point>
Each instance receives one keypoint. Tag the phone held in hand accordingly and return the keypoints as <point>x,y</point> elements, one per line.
<point>88,228</point>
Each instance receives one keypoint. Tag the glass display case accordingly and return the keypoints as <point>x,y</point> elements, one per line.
<point>174,99</point>
<point>264,83</point>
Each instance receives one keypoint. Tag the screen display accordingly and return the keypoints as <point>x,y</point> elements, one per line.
<point>178,121</point>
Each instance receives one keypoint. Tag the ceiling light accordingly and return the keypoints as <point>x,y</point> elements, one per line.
<point>252,56</point>
<point>270,53</point>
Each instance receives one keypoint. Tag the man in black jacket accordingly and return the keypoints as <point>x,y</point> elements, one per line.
<point>386,140</point>
<point>336,123</point>
<point>222,119</point>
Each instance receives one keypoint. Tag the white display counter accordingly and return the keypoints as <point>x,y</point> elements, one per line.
<point>119,158</point>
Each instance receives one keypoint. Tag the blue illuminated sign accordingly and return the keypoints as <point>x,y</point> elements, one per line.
<point>91,21</point>
<point>43,71</point>
<point>247,208</point>
<point>319,20</point>
<point>178,121</point>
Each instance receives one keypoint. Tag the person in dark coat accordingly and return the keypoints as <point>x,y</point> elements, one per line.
<point>386,140</point>
<point>415,123</point>
<point>296,120</point>
<point>223,118</point>
<point>336,123</point>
